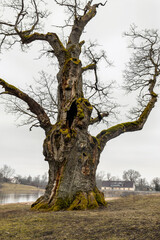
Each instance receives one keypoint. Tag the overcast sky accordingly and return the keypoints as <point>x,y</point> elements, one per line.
<point>22,149</point>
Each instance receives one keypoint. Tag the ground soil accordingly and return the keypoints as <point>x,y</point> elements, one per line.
<point>129,218</point>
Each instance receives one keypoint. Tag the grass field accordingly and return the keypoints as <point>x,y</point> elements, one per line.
<point>18,188</point>
<point>130,218</point>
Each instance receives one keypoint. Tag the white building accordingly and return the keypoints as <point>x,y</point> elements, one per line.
<point>15,180</point>
<point>118,185</point>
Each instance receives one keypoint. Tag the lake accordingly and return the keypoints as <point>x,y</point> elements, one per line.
<point>19,197</point>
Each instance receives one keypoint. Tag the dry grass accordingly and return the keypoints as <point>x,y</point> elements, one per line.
<point>130,218</point>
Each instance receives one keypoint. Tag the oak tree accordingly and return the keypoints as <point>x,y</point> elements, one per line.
<point>69,148</point>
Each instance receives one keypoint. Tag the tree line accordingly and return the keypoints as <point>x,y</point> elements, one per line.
<point>141,184</point>
<point>8,175</point>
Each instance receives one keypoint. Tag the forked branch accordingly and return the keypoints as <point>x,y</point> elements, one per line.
<point>81,21</point>
<point>117,130</point>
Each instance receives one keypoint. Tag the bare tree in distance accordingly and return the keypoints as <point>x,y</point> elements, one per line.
<point>71,151</point>
<point>131,175</point>
<point>142,185</point>
<point>6,173</point>
<point>156,183</point>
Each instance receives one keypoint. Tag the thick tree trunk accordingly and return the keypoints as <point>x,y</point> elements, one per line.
<point>72,172</point>
<point>72,153</point>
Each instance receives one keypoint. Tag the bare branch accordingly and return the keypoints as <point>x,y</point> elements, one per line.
<point>142,74</point>
<point>99,118</point>
<point>117,130</point>
<point>34,125</point>
<point>34,107</point>
<point>81,21</point>
<point>95,90</point>
<point>96,97</point>
<point>45,94</point>
<point>27,19</point>
<point>143,69</point>
<point>89,67</point>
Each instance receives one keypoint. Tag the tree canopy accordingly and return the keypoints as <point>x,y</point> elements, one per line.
<point>141,73</point>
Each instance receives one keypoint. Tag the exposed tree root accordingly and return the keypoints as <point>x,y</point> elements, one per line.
<point>81,201</point>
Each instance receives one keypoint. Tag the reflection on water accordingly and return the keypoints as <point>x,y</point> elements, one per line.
<point>15,197</point>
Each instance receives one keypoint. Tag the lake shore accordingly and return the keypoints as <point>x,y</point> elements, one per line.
<point>18,188</point>
<point>128,218</point>
<point>23,203</point>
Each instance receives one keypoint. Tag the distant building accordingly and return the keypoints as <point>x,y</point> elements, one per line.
<point>118,185</point>
<point>15,180</point>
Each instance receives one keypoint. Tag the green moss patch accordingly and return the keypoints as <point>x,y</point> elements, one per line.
<point>80,202</point>
<point>60,204</point>
<point>99,196</point>
<point>83,105</point>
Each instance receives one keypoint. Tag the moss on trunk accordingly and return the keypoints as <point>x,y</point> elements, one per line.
<point>81,201</point>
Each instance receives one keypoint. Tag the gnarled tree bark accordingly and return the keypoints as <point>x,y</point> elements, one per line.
<point>71,152</point>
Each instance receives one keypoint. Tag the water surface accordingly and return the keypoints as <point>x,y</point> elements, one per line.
<point>19,197</point>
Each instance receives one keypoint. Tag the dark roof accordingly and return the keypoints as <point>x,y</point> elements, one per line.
<point>122,184</point>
